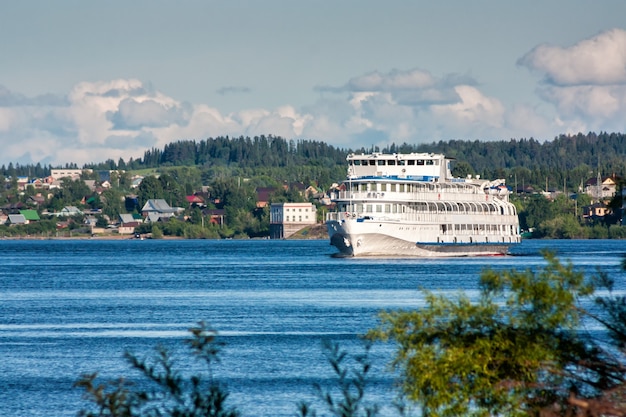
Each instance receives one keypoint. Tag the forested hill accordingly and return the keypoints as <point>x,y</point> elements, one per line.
<point>604,151</point>
<point>564,157</point>
<point>245,152</point>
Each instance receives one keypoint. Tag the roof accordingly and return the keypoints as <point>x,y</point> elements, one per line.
<point>127,218</point>
<point>30,214</point>
<point>158,206</point>
<point>71,209</point>
<point>263,193</point>
<point>215,212</point>
<point>194,199</point>
<point>17,219</point>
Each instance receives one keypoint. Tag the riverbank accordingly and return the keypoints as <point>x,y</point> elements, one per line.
<point>314,232</point>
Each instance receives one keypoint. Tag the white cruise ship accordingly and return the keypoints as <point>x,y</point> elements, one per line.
<point>409,205</point>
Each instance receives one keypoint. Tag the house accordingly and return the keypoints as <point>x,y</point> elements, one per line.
<point>70,211</point>
<point>298,186</point>
<point>37,200</point>
<point>155,209</point>
<point>37,183</point>
<point>136,181</point>
<point>16,219</point>
<point>128,222</point>
<point>30,215</point>
<point>288,218</point>
<point>13,208</point>
<point>595,211</point>
<point>216,216</point>
<point>195,200</point>
<point>601,188</point>
<point>74,174</point>
<point>126,218</point>
<point>22,182</point>
<point>263,196</point>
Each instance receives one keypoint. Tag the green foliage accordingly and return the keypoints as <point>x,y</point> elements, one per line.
<point>351,384</point>
<point>101,221</point>
<point>515,351</point>
<point>43,227</point>
<point>150,188</point>
<point>156,232</point>
<point>166,391</point>
<point>562,227</point>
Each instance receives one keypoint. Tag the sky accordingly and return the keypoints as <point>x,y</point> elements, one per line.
<point>87,81</point>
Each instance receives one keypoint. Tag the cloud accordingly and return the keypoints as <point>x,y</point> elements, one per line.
<point>586,82</point>
<point>600,60</point>
<point>110,119</point>
<point>133,114</point>
<point>104,120</point>
<point>411,87</point>
<point>233,90</point>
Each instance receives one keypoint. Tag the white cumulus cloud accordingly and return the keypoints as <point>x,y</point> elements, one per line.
<point>600,60</point>
<point>586,82</point>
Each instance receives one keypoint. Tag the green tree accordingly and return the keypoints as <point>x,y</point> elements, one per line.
<point>157,233</point>
<point>167,392</point>
<point>536,209</point>
<point>150,188</point>
<point>516,351</point>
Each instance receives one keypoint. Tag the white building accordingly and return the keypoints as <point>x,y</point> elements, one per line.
<point>287,218</point>
<point>74,174</point>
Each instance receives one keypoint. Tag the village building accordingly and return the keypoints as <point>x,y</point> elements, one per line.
<point>288,218</point>
<point>156,209</point>
<point>601,188</point>
<point>74,174</point>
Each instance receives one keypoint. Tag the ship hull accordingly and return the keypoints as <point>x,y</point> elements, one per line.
<point>383,239</point>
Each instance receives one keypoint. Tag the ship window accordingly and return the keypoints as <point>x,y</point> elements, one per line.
<point>379,208</point>
<point>387,208</point>
<point>420,162</point>
<point>411,162</point>
<point>383,187</point>
<point>401,188</point>
<point>402,162</point>
<point>380,162</point>
<point>368,208</point>
<point>363,187</point>
<point>355,162</point>
<point>393,187</point>
<point>391,162</point>
<point>364,162</point>
<point>429,162</point>
<point>372,162</point>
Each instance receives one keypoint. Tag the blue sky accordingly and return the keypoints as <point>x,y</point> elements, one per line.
<point>85,81</point>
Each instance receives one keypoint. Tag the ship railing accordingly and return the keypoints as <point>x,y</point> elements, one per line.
<point>436,218</point>
<point>431,196</point>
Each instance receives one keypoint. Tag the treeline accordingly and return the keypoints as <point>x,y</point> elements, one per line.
<point>566,161</point>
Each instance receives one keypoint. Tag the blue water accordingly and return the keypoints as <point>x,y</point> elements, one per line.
<point>73,307</point>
